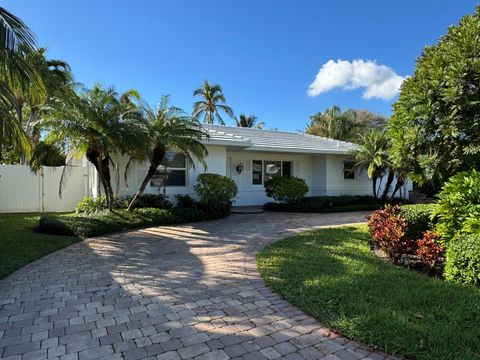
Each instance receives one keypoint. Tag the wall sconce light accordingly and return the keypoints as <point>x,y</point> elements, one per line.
<point>239,168</point>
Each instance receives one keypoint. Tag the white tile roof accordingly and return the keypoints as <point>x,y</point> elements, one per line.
<point>252,139</point>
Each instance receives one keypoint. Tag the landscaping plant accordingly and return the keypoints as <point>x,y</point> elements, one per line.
<point>458,206</point>
<point>216,193</point>
<point>429,250</point>
<point>463,260</point>
<point>289,190</point>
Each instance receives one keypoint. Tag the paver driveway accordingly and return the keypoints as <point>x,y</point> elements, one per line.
<point>181,292</point>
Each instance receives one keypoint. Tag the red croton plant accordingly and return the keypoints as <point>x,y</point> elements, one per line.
<point>429,250</point>
<point>388,229</point>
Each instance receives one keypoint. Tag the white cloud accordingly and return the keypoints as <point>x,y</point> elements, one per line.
<point>379,81</point>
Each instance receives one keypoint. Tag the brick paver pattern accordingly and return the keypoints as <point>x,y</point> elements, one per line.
<point>183,292</point>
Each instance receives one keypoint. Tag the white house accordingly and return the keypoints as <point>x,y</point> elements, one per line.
<point>249,157</point>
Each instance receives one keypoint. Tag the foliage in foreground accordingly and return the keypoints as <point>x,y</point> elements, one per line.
<point>458,207</point>
<point>21,244</point>
<point>88,225</point>
<point>332,275</point>
<point>463,260</point>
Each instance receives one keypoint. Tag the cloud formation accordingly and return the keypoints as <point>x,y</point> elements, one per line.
<point>379,81</point>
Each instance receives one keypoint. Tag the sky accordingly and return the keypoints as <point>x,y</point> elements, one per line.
<point>279,60</point>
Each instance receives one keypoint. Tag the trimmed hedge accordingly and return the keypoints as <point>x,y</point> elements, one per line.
<point>86,225</point>
<point>326,204</point>
<point>418,218</point>
<point>290,190</point>
<point>463,260</point>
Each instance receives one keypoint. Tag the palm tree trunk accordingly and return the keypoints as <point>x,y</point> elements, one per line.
<point>93,155</point>
<point>105,169</point>
<point>374,184</point>
<point>157,158</point>
<point>400,182</point>
<point>388,185</point>
<point>1,139</point>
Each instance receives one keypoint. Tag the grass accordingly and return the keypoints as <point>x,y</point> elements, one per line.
<point>21,244</point>
<point>332,275</point>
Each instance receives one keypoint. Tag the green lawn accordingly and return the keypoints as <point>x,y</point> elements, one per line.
<point>21,244</point>
<point>332,275</point>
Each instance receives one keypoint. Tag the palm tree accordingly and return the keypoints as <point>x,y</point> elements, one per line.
<point>97,123</point>
<point>372,154</point>
<point>212,101</point>
<point>169,128</point>
<point>28,108</point>
<point>249,121</point>
<point>16,39</point>
<point>332,123</point>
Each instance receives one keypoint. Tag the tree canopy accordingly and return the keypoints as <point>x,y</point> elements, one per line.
<point>348,125</point>
<point>435,128</point>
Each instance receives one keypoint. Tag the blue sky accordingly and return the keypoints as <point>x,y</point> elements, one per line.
<point>265,54</point>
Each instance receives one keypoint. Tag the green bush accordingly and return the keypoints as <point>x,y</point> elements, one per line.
<point>323,204</point>
<point>216,193</point>
<point>158,201</point>
<point>458,207</point>
<point>290,190</point>
<point>186,201</point>
<point>463,260</point>
<point>88,225</point>
<point>418,218</point>
<point>90,205</point>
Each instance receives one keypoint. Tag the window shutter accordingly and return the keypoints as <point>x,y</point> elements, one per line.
<point>296,164</point>
<point>247,172</point>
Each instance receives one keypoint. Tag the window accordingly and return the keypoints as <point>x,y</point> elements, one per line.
<point>349,170</point>
<point>257,177</point>
<point>172,171</point>
<point>264,170</point>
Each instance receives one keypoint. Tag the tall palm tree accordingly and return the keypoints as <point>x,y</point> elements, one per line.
<point>212,100</point>
<point>249,121</point>
<point>169,128</point>
<point>98,123</point>
<point>372,155</point>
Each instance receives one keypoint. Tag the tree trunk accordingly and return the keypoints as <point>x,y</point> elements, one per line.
<point>93,155</point>
<point>400,182</point>
<point>105,168</point>
<point>1,139</point>
<point>388,185</point>
<point>157,158</point>
<point>374,184</point>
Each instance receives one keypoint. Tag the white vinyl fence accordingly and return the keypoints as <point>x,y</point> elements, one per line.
<point>21,190</point>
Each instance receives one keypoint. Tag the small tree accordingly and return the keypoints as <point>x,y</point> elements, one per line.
<point>168,128</point>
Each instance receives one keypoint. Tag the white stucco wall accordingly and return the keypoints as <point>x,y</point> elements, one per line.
<point>249,194</point>
<point>323,174</point>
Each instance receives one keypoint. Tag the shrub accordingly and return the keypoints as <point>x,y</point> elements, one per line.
<point>90,205</point>
<point>186,201</point>
<point>216,193</point>
<point>418,218</point>
<point>158,201</point>
<point>387,228</point>
<point>321,204</point>
<point>429,250</point>
<point>290,190</point>
<point>88,225</point>
<point>463,260</point>
<point>458,207</point>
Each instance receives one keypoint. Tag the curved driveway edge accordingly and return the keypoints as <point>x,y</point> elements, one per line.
<point>183,292</point>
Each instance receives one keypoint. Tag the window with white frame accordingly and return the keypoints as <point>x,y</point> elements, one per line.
<point>172,171</point>
<point>349,170</point>
<point>264,170</point>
